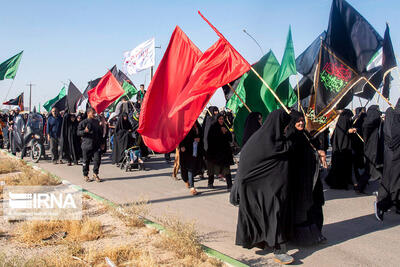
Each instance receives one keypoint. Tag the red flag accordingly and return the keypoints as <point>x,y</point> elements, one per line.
<point>160,133</point>
<point>219,65</point>
<point>105,93</point>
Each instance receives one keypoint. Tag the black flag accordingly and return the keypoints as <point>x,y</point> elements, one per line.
<point>306,61</point>
<point>227,89</point>
<point>73,97</point>
<point>351,36</point>
<point>388,62</point>
<point>18,101</point>
<point>306,64</point>
<point>333,81</point>
<point>60,104</point>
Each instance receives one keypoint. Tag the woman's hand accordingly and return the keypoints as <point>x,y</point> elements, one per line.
<point>352,130</point>
<point>183,149</point>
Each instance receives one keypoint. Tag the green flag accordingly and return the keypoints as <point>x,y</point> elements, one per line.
<point>61,94</point>
<point>8,69</point>
<point>280,82</point>
<point>130,91</point>
<point>253,89</point>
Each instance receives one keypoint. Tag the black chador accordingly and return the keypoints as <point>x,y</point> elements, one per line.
<point>251,126</point>
<point>373,147</point>
<point>358,148</point>
<point>209,119</point>
<point>261,188</point>
<point>70,142</point>
<point>123,138</point>
<point>307,189</point>
<point>389,191</point>
<point>340,174</point>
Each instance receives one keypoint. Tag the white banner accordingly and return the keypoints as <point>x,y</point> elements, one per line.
<point>140,58</point>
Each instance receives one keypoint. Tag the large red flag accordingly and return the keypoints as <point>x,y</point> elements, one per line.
<point>160,133</point>
<point>105,93</point>
<point>219,65</point>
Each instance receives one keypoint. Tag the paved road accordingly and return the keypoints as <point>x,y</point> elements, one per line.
<point>355,237</point>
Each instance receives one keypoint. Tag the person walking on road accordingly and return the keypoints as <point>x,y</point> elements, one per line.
<point>91,133</point>
<point>53,129</point>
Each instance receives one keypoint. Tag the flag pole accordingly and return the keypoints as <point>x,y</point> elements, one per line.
<point>251,68</point>
<point>379,93</point>
<point>299,106</point>
<point>241,100</point>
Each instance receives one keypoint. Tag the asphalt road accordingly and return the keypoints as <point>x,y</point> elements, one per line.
<point>355,237</point>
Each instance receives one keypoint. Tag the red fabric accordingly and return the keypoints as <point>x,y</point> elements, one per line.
<point>105,93</point>
<point>160,133</point>
<point>219,65</point>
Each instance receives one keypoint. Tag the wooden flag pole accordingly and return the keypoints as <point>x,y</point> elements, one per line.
<point>241,100</point>
<point>359,136</point>
<point>380,94</point>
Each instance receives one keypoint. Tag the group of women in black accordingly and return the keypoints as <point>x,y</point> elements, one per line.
<point>278,188</point>
<point>207,147</point>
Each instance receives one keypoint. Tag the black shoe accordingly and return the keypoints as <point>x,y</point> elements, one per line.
<point>210,186</point>
<point>378,212</point>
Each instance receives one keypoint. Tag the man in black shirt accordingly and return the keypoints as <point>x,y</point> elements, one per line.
<point>91,133</point>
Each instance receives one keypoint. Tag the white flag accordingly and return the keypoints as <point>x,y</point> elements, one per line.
<point>140,58</point>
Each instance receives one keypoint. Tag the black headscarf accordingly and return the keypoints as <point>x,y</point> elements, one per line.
<point>262,185</point>
<point>251,126</point>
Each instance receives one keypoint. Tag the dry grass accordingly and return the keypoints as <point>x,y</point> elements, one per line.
<point>30,176</point>
<point>125,255</point>
<point>8,165</point>
<point>26,176</point>
<point>55,232</point>
<point>132,214</point>
<point>120,255</point>
<point>180,237</point>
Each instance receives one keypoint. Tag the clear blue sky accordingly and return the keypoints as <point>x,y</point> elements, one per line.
<point>79,40</point>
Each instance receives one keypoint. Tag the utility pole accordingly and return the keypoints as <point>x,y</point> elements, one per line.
<point>30,95</point>
<point>259,46</point>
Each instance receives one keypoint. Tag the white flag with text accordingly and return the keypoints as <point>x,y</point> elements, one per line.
<point>140,58</point>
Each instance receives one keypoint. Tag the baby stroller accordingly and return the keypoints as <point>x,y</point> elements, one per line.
<point>132,159</point>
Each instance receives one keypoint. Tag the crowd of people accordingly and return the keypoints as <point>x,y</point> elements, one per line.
<point>277,187</point>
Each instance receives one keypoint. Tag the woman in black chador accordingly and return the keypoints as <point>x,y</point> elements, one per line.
<point>358,148</point>
<point>123,138</point>
<point>262,189</point>
<point>308,195</point>
<point>340,174</point>
<point>373,147</point>
<point>191,156</point>
<point>70,141</point>
<point>252,124</point>
<point>209,119</point>
<point>389,190</point>
<point>219,154</point>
